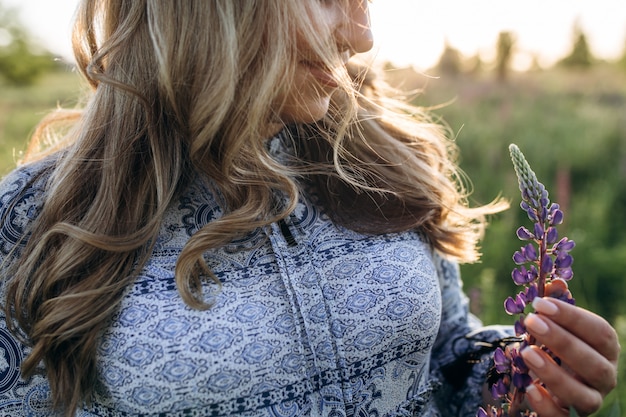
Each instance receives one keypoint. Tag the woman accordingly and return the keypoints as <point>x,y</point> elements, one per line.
<point>240,222</point>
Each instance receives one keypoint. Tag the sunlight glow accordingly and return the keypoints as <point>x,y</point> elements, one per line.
<point>414,32</point>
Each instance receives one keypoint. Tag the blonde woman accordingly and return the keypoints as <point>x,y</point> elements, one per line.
<point>240,222</point>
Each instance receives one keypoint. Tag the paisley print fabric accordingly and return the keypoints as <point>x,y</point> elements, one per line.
<point>311,320</point>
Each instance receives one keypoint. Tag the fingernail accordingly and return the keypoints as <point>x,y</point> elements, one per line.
<point>535,324</point>
<point>533,393</point>
<point>541,305</point>
<point>533,358</point>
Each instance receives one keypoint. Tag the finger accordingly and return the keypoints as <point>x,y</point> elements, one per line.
<point>583,360</point>
<point>561,389</point>
<point>542,402</point>
<point>587,326</point>
<point>568,390</point>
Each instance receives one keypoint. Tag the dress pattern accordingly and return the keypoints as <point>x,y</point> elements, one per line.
<point>311,320</point>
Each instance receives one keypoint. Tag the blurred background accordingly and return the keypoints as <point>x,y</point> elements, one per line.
<point>549,76</point>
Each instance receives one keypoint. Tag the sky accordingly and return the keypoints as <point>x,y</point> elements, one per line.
<point>414,32</point>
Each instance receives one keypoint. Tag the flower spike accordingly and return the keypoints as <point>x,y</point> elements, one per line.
<point>544,267</point>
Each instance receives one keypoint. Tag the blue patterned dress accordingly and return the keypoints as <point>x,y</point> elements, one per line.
<point>311,320</point>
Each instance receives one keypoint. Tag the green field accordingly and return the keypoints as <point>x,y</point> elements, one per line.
<point>570,125</point>
<point>21,108</point>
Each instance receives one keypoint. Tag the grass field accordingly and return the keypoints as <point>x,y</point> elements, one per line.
<point>22,108</point>
<point>570,125</point>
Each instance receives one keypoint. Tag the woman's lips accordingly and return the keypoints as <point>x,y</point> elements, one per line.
<point>321,73</point>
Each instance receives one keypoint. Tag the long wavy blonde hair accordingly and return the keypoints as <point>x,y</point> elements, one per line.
<point>181,88</point>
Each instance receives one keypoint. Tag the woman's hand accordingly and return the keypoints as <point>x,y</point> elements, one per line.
<point>588,348</point>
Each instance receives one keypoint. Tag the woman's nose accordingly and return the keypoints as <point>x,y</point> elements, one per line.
<point>354,33</point>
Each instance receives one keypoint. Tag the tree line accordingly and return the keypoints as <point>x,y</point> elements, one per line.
<point>22,59</point>
<point>453,63</point>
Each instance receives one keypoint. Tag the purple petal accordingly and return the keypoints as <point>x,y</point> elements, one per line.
<point>564,262</point>
<point>521,297</point>
<point>565,245</point>
<point>534,203</point>
<point>552,235</point>
<point>530,252</point>
<point>519,277</point>
<point>546,264</point>
<point>524,234</point>
<point>519,364</point>
<point>531,293</point>
<point>512,307</point>
<point>557,217</point>
<point>499,389</point>
<point>521,381</point>
<point>565,273</point>
<point>539,230</point>
<point>499,357</point>
<point>501,362</point>
<point>519,258</point>
<point>519,327</point>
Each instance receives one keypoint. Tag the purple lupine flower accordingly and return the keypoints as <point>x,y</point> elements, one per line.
<point>501,361</point>
<point>544,265</point>
<point>531,292</point>
<point>524,234</point>
<point>499,389</point>
<point>552,235</point>
<point>519,327</point>
<point>514,305</point>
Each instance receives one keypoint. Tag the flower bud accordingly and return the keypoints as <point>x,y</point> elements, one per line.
<point>557,217</point>
<point>565,245</point>
<point>519,277</point>
<point>546,264</point>
<point>519,258</point>
<point>514,306</point>
<point>552,235</point>
<point>530,252</point>
<point>524,234</point>
<point>563,261</point>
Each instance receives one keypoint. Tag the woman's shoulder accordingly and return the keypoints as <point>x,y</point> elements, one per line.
<point>22,194</point>
<point>25,180</point>
<point>24,175</point>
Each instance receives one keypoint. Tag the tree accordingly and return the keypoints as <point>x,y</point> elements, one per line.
<point>504,57</point>
<point>622,60</point>
<point>22,61</point>
<point>474,65</point>
<point>580,56</point>
<point>450,62</point>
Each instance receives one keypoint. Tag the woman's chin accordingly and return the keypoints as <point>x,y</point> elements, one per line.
<point>306,111</point>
